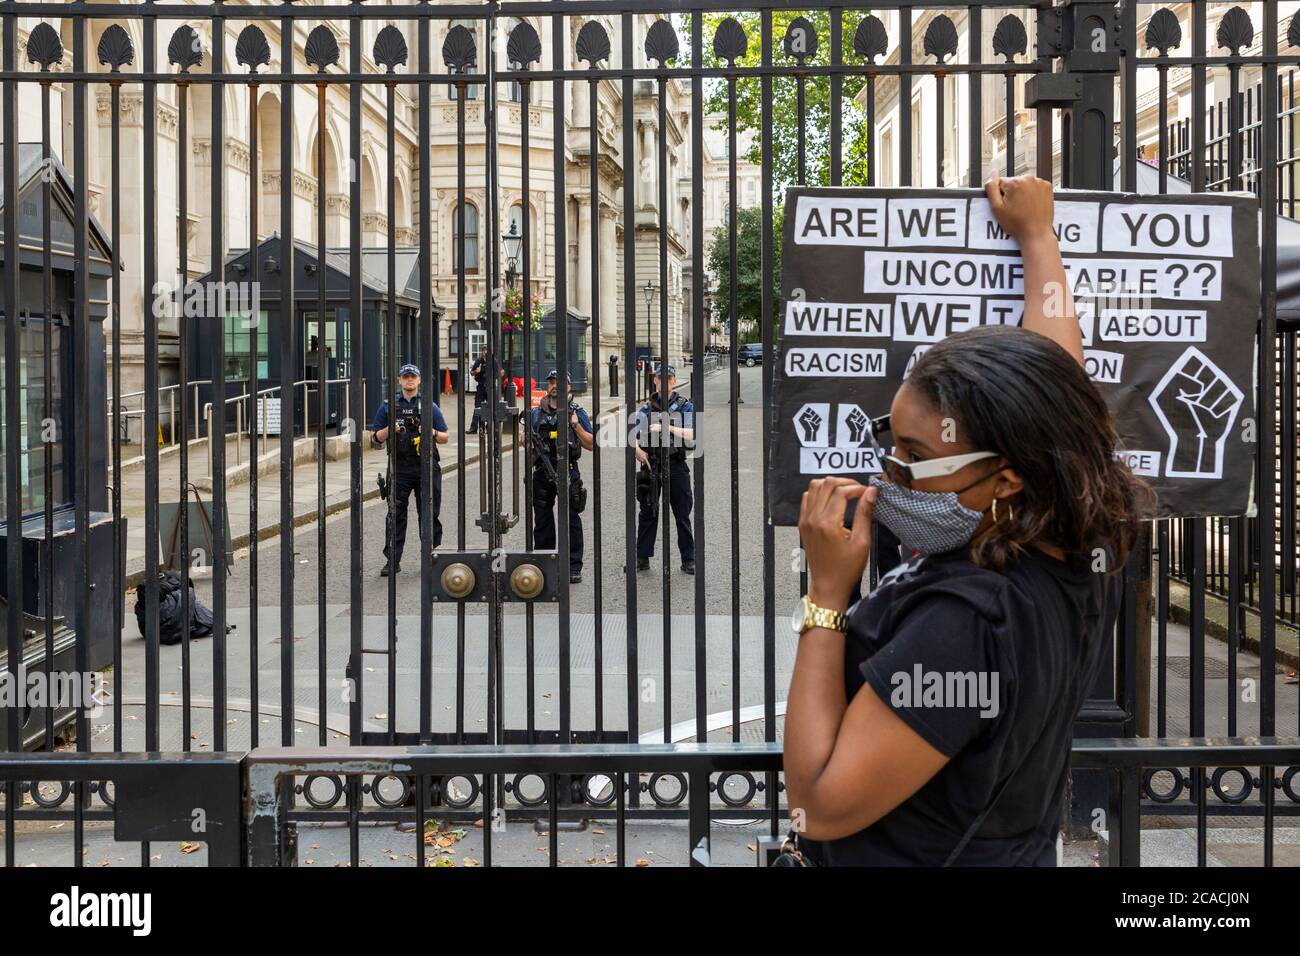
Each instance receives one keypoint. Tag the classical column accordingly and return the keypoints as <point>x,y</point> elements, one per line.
<point>608,266</point>
<point>583,298</point>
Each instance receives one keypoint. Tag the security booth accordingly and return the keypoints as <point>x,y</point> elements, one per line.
<point>77,360</point>
<point>315,342</point>
<point>545,349</point>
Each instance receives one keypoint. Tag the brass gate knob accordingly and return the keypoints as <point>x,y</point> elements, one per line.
<point>458,580</point>
<point>527,581</point>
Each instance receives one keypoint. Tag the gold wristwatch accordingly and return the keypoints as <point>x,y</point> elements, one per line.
<point>808,615</point>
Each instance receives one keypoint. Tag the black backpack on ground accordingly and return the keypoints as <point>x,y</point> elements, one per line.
<point>169,610</point>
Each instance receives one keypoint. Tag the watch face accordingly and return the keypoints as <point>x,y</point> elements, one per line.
<point>800,613</point>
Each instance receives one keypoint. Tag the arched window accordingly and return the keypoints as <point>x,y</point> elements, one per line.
<point>471,238</point>
<point>515,223</point>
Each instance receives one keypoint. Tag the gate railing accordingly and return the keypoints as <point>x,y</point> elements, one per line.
<point>249,808</point>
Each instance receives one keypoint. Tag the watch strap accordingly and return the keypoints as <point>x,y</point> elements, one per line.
<point>815,616</point>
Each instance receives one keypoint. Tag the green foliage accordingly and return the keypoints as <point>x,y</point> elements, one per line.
<point>785,112</point>
<point>749,269</point>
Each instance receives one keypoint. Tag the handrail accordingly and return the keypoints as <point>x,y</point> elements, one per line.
<point>171,390</point>
<point>161,388</point>
<point>308,385</point>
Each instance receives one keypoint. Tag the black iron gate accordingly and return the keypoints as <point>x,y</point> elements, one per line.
<point>470,101</point>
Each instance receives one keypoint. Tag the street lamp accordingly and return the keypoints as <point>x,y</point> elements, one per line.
<point>648,290</point>
<point>512,240</point>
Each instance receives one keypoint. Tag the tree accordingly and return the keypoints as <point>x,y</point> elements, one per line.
<point>749,269</point>
<point>785,106</point>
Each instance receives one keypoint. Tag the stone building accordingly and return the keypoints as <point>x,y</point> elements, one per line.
<point>232,158</point>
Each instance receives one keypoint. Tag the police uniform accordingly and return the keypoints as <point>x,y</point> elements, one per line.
<point>545,427</point>
<point>482,371</point>
<point>681,413</point>
<point>406,469</point>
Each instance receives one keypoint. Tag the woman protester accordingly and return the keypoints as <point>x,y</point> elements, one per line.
<point>930,723</point>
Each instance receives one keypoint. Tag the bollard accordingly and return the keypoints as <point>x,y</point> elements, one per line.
<point>613,376</point>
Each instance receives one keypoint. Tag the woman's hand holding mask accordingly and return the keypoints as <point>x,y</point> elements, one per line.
<point>836,556</point>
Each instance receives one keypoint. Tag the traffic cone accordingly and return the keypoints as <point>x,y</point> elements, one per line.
<point>446,381</point>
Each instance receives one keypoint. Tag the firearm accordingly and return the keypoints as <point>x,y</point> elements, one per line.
<point>646,485</point>
<point>383,486</point>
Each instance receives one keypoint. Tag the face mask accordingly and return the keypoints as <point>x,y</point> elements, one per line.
<point>927,522</point>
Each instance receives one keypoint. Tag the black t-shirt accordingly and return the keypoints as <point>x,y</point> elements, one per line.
<point>1016,654</point>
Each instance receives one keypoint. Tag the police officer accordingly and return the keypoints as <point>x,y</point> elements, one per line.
<point>483,371</point>
<point>674,431</point>
<point>546,461</point>
<point>405,423</point>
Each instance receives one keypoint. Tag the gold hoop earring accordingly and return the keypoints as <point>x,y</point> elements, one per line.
<point>995,511</point>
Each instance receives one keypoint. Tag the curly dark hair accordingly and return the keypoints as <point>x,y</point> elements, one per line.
<point>1018,393</point>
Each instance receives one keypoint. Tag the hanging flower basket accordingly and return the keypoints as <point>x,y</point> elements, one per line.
<point>512,312</point>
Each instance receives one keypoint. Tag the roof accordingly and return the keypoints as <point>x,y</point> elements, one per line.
<point>30,162</point>
<point>374,267</point>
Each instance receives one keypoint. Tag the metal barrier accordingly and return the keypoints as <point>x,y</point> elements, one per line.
<point>247,808</point>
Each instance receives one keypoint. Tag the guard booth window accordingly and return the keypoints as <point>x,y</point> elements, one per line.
<point>239,337</point>
<point>336,357</point>
<point>34,459</point>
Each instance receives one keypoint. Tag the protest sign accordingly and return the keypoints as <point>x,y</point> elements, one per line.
<point>1166,289</point>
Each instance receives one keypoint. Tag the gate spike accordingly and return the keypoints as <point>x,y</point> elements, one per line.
<point>390,48</point>
<point>1235,32</point>
<point>661,42</point>
<point>458,50</point>
<point>115,50</point>
<point>870,40</point>
<point>941,38</point>
<point>44,48</point>
<point>593,43</point>
<point>185,48</point>
<point>800,40</point>
<point>1164,33</point>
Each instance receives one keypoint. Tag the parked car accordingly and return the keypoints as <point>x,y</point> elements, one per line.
<point>750,355</point>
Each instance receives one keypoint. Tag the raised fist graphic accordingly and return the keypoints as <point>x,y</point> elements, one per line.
<point>857,422</point>
<point>1197,404</point>
<point>811,422</point>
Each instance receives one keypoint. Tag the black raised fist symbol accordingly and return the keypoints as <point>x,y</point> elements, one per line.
<point>857,423</point>
<point>1196,403</point>
<point>811,422</point>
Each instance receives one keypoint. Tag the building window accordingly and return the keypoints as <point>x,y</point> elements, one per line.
<point>471,239</point>
<point>239,339</point>
<point>34,459</point>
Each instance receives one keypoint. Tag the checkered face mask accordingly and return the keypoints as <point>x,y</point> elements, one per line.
<point>926,522</point>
